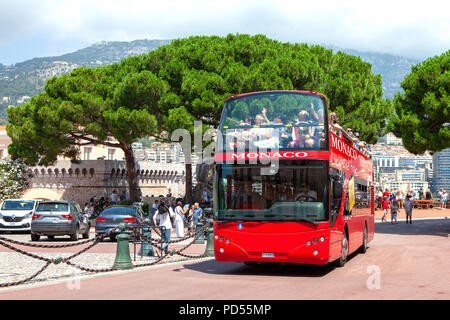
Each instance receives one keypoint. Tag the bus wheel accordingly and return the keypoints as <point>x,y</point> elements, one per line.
<point>363,247</point>
<point>343,259</point>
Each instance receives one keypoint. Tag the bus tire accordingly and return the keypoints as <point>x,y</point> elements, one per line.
<point>344,253</point>
<point>363,247</point>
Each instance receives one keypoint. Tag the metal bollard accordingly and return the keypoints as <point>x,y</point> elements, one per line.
<point>123,258</point>
<point>201,238</point>
<point>146,247</point>
<point>209,251</point>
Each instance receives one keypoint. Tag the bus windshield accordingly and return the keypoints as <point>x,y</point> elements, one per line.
<point>297,192</point>
<point>274,121</point>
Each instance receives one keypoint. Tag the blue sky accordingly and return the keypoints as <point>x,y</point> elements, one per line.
<point>415,29</point>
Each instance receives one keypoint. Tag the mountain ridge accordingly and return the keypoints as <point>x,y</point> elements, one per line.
<point>21,81</point>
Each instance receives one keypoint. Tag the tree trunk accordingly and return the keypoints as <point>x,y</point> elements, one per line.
<point>188,167</point>
<point>131,173</point>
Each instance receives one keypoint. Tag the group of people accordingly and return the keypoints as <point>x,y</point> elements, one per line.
<point>279,135</point>
<point>174,216</point>
<point>95,206</point>
<point>394,201</point>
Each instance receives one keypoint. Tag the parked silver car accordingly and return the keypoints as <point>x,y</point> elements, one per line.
<point>58,218</point>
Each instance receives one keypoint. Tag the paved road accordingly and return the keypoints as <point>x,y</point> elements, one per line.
<point>412,262</point>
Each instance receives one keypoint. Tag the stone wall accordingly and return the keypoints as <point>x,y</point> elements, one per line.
<point>80,182</point>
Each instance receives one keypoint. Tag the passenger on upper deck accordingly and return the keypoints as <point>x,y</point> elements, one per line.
<point>302,136</point>
<point>262,137</point>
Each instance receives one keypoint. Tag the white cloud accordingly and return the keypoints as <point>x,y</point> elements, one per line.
<point>409,28</point>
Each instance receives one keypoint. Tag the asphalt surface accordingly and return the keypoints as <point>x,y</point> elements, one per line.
<point>403,262</point>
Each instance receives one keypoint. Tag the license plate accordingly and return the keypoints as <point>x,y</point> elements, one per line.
<point>268,255</point>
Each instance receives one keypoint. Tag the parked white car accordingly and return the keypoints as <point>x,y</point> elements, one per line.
<point>16,214</point>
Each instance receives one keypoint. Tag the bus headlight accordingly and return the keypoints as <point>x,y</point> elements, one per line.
<point>315,252</point>
<point>322,239</point>
<point>308,243</point>
<point>221,250</point>
<point>216,237</point>
<point>315,241</point>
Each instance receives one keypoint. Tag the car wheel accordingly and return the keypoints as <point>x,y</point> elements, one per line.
<point>74,236</point>
<point>344,253</point>
<point>51,238</point>
<point>35,237</point>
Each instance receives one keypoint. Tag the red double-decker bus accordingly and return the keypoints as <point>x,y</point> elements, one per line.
<point>288,188</point>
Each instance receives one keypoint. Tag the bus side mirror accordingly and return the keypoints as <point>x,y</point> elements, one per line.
<point>337,190</point>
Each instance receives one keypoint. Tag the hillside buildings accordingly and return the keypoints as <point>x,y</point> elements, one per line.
<point>397,169</point>
<point>441,170</point>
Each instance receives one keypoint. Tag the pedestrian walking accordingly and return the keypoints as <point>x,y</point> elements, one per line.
<point>408,205</point>
<point>380,198</point>
<point>444,199</point>
<point>179,220</point>
<point>394,210</point>
<point>113,197</point>
<point>400,199</point>
<point>163,213</point>
<point>205,199</point>
<point>197,213</point>
<point>385,205</point>
<point>190,217</point>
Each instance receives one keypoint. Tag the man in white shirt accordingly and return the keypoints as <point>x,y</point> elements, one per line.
<point>113,197</point>
<point>163,214</point>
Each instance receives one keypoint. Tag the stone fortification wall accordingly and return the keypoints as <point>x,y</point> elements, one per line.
<point>80,182</point>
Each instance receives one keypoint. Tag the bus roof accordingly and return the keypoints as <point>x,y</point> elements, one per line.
<point>298,91</point>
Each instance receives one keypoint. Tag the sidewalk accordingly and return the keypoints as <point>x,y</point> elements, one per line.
<point>416,213</point>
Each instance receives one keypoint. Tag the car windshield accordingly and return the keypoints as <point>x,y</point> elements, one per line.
<point>119,211</point>
<point>274,121</point>
<point>298,191</point>
<point>58,207</point>
<point>18,205</point>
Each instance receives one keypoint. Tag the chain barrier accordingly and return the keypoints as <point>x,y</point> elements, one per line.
<point>95,241</point>
<point>156,242</point>
<point>136,232</point>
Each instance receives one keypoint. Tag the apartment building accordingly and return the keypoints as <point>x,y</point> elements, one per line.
<point>441,170</point>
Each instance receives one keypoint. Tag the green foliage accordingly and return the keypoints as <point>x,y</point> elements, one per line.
<point>202,72</point>
<point>86,106</point>
<point>14,179</point>
<point>422,113</point>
